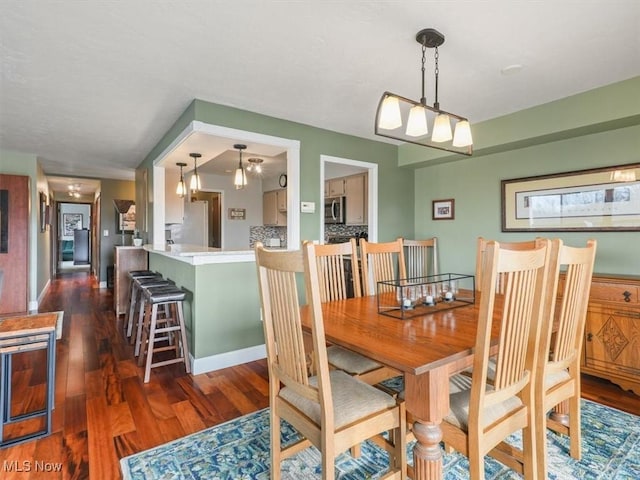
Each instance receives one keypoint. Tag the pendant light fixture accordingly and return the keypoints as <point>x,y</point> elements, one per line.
<point>255,165</point>
<point>181,189</point>
<point>195,184</point>
<point>392,109</point>
<point>240,180</point>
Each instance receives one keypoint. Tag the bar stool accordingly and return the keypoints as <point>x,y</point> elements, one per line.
<point>174,325</point>
<point>143,284</point>
<point>133,294</point>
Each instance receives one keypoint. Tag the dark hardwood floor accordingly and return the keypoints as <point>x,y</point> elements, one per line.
<point>103,410</point>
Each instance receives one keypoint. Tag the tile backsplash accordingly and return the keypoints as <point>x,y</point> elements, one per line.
<point>344,230</point>
<point>263,234</point>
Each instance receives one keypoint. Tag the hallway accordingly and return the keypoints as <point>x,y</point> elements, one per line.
<point>103,411</point>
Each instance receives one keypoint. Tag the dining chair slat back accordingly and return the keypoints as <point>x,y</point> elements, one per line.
<point>332,277</point>
<point>487,413</point>
<point>332,280</point>
<point>421,257</point>
<point>480,257</point>
<point>381,262</point>
<point>558,374</point>
<point>331,409</point>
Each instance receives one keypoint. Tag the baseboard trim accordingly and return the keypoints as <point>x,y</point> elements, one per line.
<point>34,304</point>
<point>227,359</point>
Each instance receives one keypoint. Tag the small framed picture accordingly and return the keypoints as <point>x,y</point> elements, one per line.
<point>443,209</point>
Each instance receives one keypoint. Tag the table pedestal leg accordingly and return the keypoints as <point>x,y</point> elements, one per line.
<point>427,454</point>
<point>560,413</point>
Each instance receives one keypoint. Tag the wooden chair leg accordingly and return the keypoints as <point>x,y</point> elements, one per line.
<point>143,345</point>
<point>150,343</point>
<point>183,337</point>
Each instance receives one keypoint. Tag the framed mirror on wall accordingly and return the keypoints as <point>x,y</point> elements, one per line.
<point>125,216</point>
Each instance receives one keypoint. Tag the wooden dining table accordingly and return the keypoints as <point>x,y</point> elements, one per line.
<point>427,348</point>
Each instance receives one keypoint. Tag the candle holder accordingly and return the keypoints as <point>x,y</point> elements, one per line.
<point>409,297</point>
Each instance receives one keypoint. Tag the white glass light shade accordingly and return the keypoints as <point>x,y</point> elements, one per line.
<point>417,123</point>
<point>390,114</point>
<point>195,183</point>
<point>441,129</point>
<point>181,189</point>
<point>240,180</point>
<point>462,134</point>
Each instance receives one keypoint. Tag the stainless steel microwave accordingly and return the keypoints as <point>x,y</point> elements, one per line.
<point>334,210</point>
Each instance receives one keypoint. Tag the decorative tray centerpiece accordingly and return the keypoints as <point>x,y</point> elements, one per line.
<point>407,297</point>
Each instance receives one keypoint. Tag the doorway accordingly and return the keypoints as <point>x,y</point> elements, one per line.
<point>14,238</point>
<point>331,167</point>
<point>74,236</point>
<point>214,216</point>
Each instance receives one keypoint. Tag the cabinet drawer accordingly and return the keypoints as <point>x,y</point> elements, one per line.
<point>614,292</point>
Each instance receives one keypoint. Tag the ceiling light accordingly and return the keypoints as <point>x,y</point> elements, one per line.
<point>240,179</point>
<point>255,165</point>
<point>392,109</point>
<point>195,184</point>
<point>181,189</point>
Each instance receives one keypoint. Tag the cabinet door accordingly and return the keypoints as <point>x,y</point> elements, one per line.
<point>282,200</point>
<point>282,207</point>
<point>270,208</point>
<point>336,187</point>
<point>356,211</point>
<point>612,341</point>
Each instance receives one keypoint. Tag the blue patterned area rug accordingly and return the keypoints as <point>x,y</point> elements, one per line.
<point>239,449</point>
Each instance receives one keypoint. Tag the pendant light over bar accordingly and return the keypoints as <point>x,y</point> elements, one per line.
<point>408,120</point>
<point>181,189</point>
<point>240,180</point>
<point>195,184</point>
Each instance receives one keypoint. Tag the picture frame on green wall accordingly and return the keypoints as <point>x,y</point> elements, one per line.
<point>599,199</point>
<point>443,209</point>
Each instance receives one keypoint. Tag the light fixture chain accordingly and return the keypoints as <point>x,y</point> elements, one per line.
<point>423,100</point>
<point>437,71</point>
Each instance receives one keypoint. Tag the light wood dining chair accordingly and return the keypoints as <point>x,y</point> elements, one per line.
<point>331,409</point>
<point>481,417</point>
<point>480,256</point>
<point>333,281</point>
<point>380,262</point>
<point>558,368</point>
<point>421,257</point>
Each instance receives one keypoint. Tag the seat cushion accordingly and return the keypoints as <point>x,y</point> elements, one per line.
<point>351,362</point>
<point>554,378</point>
<point>459,409</point>
<point>352,399</point>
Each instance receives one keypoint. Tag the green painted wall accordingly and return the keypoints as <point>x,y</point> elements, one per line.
<point>474,182</point>
<point>226,314</point>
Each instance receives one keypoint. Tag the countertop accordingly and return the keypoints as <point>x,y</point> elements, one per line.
<point>199,255</point>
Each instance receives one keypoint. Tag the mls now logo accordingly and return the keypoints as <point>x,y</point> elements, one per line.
<point>29,466</point>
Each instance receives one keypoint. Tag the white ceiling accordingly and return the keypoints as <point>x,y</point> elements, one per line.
<point>91,87</point>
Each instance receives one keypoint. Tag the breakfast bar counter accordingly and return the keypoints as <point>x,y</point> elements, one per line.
<point>222,307</point>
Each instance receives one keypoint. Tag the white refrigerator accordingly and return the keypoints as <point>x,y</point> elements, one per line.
<point>195,228</point>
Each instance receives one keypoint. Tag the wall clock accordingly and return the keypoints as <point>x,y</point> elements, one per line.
<point>283,180</point>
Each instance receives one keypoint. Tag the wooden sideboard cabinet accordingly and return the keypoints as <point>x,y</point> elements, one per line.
<point>612,331</point>
<point>126,259</point>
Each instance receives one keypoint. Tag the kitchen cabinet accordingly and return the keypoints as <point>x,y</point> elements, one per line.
<point>173,204</point>
<point>274,208</point>
<point>126,259</point>
<point>335,187</point>
<point>356,194</point>
<point>612,331</point>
